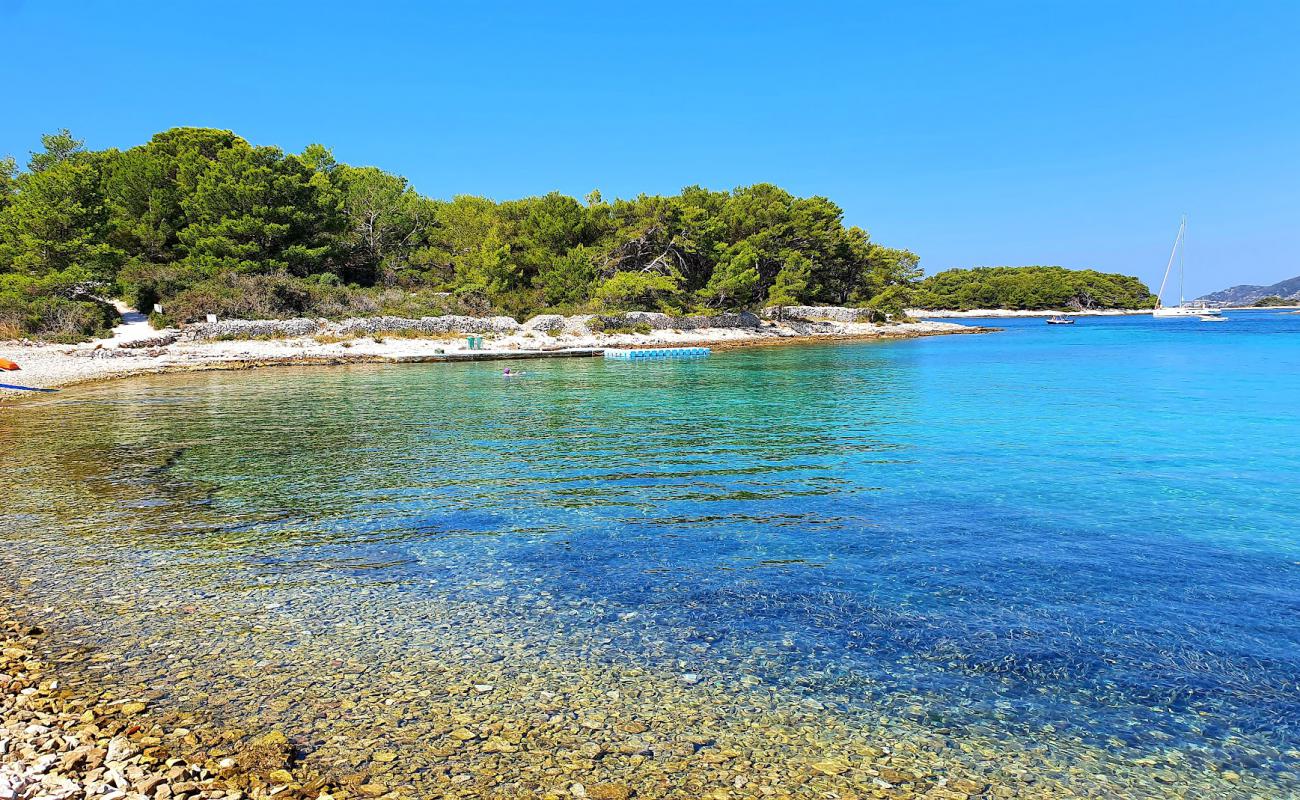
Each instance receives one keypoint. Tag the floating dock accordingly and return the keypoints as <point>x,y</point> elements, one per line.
<point>657,352</point>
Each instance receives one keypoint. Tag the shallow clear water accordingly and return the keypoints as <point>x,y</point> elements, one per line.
<point>1083,536</point>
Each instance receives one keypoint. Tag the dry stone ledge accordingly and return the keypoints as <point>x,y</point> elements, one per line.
<point>586,324</point>
<point>661,322</point>
<point>546,323</point>
<point>446,324</point>
<point>252,328</point>
<point>831,313</point>
<point>360,326</point>
<point>157,341</point>
<point>577,325</point>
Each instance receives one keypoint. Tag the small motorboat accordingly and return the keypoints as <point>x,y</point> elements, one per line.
<point>1059,320</point>
<point>1213,318</point>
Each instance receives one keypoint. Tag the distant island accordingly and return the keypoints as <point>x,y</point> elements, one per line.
<point>1032,289</point>
<point>1285,292</point>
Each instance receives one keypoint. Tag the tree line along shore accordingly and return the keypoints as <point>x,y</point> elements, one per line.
<point>199,221</point>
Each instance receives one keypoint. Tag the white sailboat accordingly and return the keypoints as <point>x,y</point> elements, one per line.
<point>1184,309</point>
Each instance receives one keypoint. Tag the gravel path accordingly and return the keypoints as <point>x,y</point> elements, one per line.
<point>134,327</point>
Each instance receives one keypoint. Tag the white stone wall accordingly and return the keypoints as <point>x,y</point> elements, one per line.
<point>578,325</point>
<point>832,313</point>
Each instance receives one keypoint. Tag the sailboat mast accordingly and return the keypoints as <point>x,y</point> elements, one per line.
<point>1182,261</point>
<point>1160,295</point>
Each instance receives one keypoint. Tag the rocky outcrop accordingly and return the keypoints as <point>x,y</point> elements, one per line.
<point>546,323</point>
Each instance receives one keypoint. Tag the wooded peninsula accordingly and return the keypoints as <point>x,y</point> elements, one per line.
<point>199,221</point>
<point>1031,289</point>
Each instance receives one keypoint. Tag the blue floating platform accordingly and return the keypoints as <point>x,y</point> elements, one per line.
<point>658,352</point>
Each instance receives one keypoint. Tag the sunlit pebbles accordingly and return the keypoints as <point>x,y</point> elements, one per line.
<point>946,567</point>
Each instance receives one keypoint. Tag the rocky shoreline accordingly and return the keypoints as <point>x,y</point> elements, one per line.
<point>243,344</point>
<point>57,743</point>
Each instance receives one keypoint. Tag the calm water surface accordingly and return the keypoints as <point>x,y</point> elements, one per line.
<point>1087,536</point>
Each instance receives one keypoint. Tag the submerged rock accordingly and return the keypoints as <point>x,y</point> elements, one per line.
<point>266,753</point>
<point>831,766</point>
<point>120,749</point>
<point>80,745</point>
<point>608,791</point>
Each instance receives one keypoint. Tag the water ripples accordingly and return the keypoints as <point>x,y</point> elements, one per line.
<point>1007,543</point>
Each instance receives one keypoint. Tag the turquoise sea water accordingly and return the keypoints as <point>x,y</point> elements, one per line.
<point>1086,533</point>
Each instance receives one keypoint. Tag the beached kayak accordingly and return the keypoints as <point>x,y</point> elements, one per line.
<point>25,388</point>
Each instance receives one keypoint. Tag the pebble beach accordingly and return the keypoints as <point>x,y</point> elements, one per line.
<point>137,349</point>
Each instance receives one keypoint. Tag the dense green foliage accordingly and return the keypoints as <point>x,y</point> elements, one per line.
<point>54,243</point>
<point>200,221</point>
<point>1270,302</point>
<point>1031,288</point>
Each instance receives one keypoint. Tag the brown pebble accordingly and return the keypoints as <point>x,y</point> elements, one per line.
<point>608,791</point>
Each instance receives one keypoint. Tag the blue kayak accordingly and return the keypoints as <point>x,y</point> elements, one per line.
<point>25,388</point>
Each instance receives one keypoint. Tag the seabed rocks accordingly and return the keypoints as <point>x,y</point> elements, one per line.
<point>494,716</point>
<point>58,743</point>
<point>251,661</point>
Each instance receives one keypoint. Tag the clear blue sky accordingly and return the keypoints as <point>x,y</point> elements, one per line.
<point>972,133</point>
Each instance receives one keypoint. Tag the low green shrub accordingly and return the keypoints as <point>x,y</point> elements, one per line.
<point>54,319</point>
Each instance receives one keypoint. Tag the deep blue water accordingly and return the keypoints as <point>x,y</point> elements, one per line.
<point>1094,528</point>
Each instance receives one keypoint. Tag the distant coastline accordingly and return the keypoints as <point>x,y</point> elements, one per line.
<point>982,313</point>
